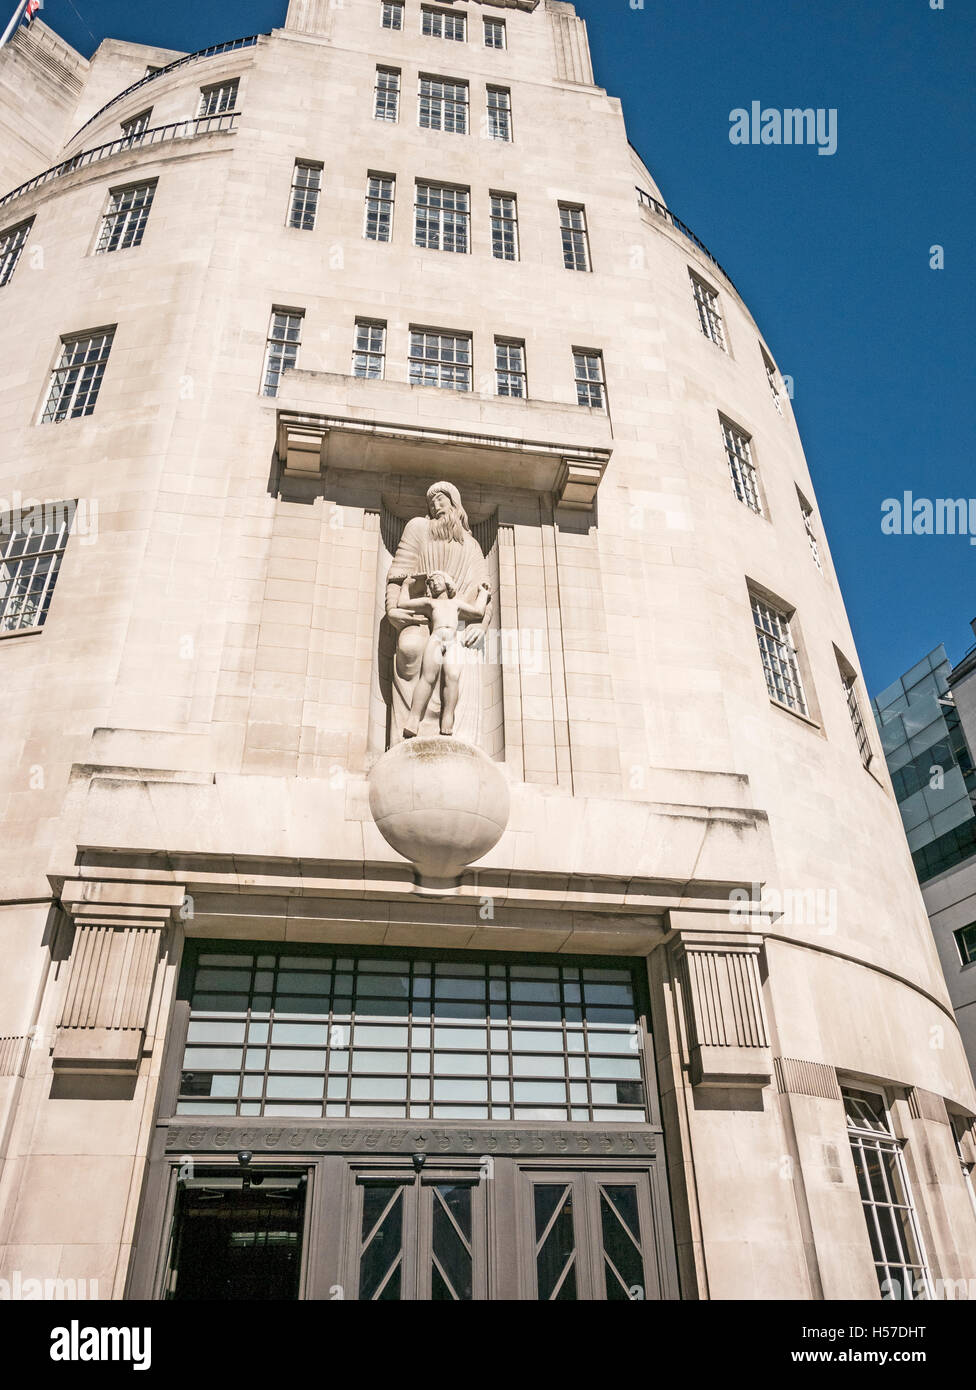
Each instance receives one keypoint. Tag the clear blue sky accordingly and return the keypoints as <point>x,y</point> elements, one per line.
<point>830,252</point>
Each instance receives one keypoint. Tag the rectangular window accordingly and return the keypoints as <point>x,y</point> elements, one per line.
<point>392,14</point>
<point>504,227</point>
<point>214,101</point>
<point>510,368</point>
<point>30,558</point>
<point>964,1130</point>
<point>576,246</point>
<point>125,221</point>
<point>77,378</point>
<point>781,663</point>
<point>590,386</point>
<point>709,315</point>
<point>495,33</point>
<point>387,103</point>
<point>284,340</point>
<point>773,383</point>
<point>12,243</point>
<point>745,479</point>
<point>137,124</point>
<point>888,1208</point>
<point>443,105</point>
<point>369,351</point>
<point>499,113</point>
<point>306,185</point>
<point>966,941</point>
<point>848,677</point>
<point>442,217</point>
<point>806,511</point>
<point>440,359</point>
<point>444,24</point>
<point>380,196</point>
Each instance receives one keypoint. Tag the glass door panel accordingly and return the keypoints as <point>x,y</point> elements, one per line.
<point>421,1238</point>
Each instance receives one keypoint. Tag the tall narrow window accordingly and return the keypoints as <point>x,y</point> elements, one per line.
<point>504,227</point>
<point>499,113</point>
<point>848,677</point>
<point>440,359</point>
<point>442,217</point>
<point>387,103</point>
<point>214,101</point>
<point>444,24</point>
<point>590,386</point>
<point>444,105</point>
<point>896,1242</point>
<point>709,314</point>
<point>745,479</point>
<point>77,378</point>
<point>12,243</point>
<point>809,525</point>
<point>30,558</point>
<point>495,33</point>
<point>780,661</point>
<point>380,196</point>
<point>964,1131</point>
<point>306,185</point>
<point>510,368</point>
<point>576,242</point>
<point>773,383</point>
<point>136,125</point>
<point>284,340</point>
<point>966,942</point>
<point>369,350</point>
<point>126,218</point>
<point>392,14</point>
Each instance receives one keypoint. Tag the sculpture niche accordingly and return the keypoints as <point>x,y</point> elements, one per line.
<point>435,796</point>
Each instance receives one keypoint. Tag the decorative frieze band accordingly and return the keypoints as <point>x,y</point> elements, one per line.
<point>799,1078</point>
<point>263,1137</point>
<point>728,1036</point>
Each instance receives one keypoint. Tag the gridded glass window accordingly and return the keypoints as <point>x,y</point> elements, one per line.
<point>709,315</point>
<point>277,1033</point>
<point>442,217</point>
<point>387,103</point>
<point>849,682</point>
<point>964,1130</point>
<point>440,359</point>
<point>495,33</point>
<point>966,941</point>
<point>31,549</point>
<point>369,352</point>
<point>443,105</point>
<point>576,242</point>
<point>444,24</point>
<point>510,368</point>
<point>499,113</point>
<point>284,340</point>
<point>888,1208</point>
<point>380,196</point>
<point>306,185</point>
<point>77,378</point>
<point>136,125</point>
<point>745,479</point>
<point>12,243</point>
<point>125,221</point>
<point>220,98</point>
<point>773,384</point>
<point>779,656</point>
<point>504,227</point>
<point>806,511</point>
<point>590,386</point>
<point>392,14</point>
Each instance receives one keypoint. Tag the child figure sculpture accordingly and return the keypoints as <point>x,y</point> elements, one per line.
<point>442,656</point>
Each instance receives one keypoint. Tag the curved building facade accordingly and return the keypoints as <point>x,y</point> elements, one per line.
<point>446,852</point>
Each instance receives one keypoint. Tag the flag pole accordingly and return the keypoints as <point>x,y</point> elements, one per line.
<point>17,17</point>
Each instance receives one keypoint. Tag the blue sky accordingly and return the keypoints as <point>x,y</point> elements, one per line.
<point>831,253</point>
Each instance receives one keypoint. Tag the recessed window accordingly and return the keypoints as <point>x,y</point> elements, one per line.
<point>125,221</point>
<point>136,125</point>
<point>966,941</point>
<point>495,33</point>
<point>369,350</point>
<point>284,341</point>
<point>214,101</point>
<point>590,385</point>
<point>504,227</point>
<point>444,24</point>
<point>386,105</point>
<point>576,241</point>
<point>510,368</point>
<point>499,113</point>
<point>780,660</point>
<point>392,14</point>
<point>306,185</point>
<point>380,196</point>
<point>745,478</point>
<point>31,549</point>
<point>444,105</point>
<point>12,243</point>
<point>709,314</point>
<point>442,218</point>
<point>440,359</point>
<point>810,526</point>
<point>773,382</point>
<point>77,378</point>
<point>848,677</point>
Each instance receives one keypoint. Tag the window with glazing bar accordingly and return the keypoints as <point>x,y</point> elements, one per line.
<point>12,243</point>
<point>125,221</point>
<point>440,359</point>
<point>848,677</point>
<point>510,367</point>
<point>780,660</point>
<point>773,383</point>
<point>504,227</point>
<point>214,101</point>
<point>284,341</point>
<point>137,124</point>
<point>444,24</point>
<point>590,385</point>
<point>444,105</point>
<point>77,377</point>
<point>31,550</point>
<point>499,113</point>
<point>369,349</point>
<point>806,511</point>
<point>442,217</point>
<point>709,314</point>
<point>392,14</point>
<point>745,478</point>
<point>386,106</point>
<point>306,185</point>
<point>380,196</point>
<point>966,942</point>
<point>576,242</point>
<point>495,33</point>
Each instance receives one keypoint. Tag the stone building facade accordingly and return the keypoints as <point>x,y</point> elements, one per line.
<point>651,984</point>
